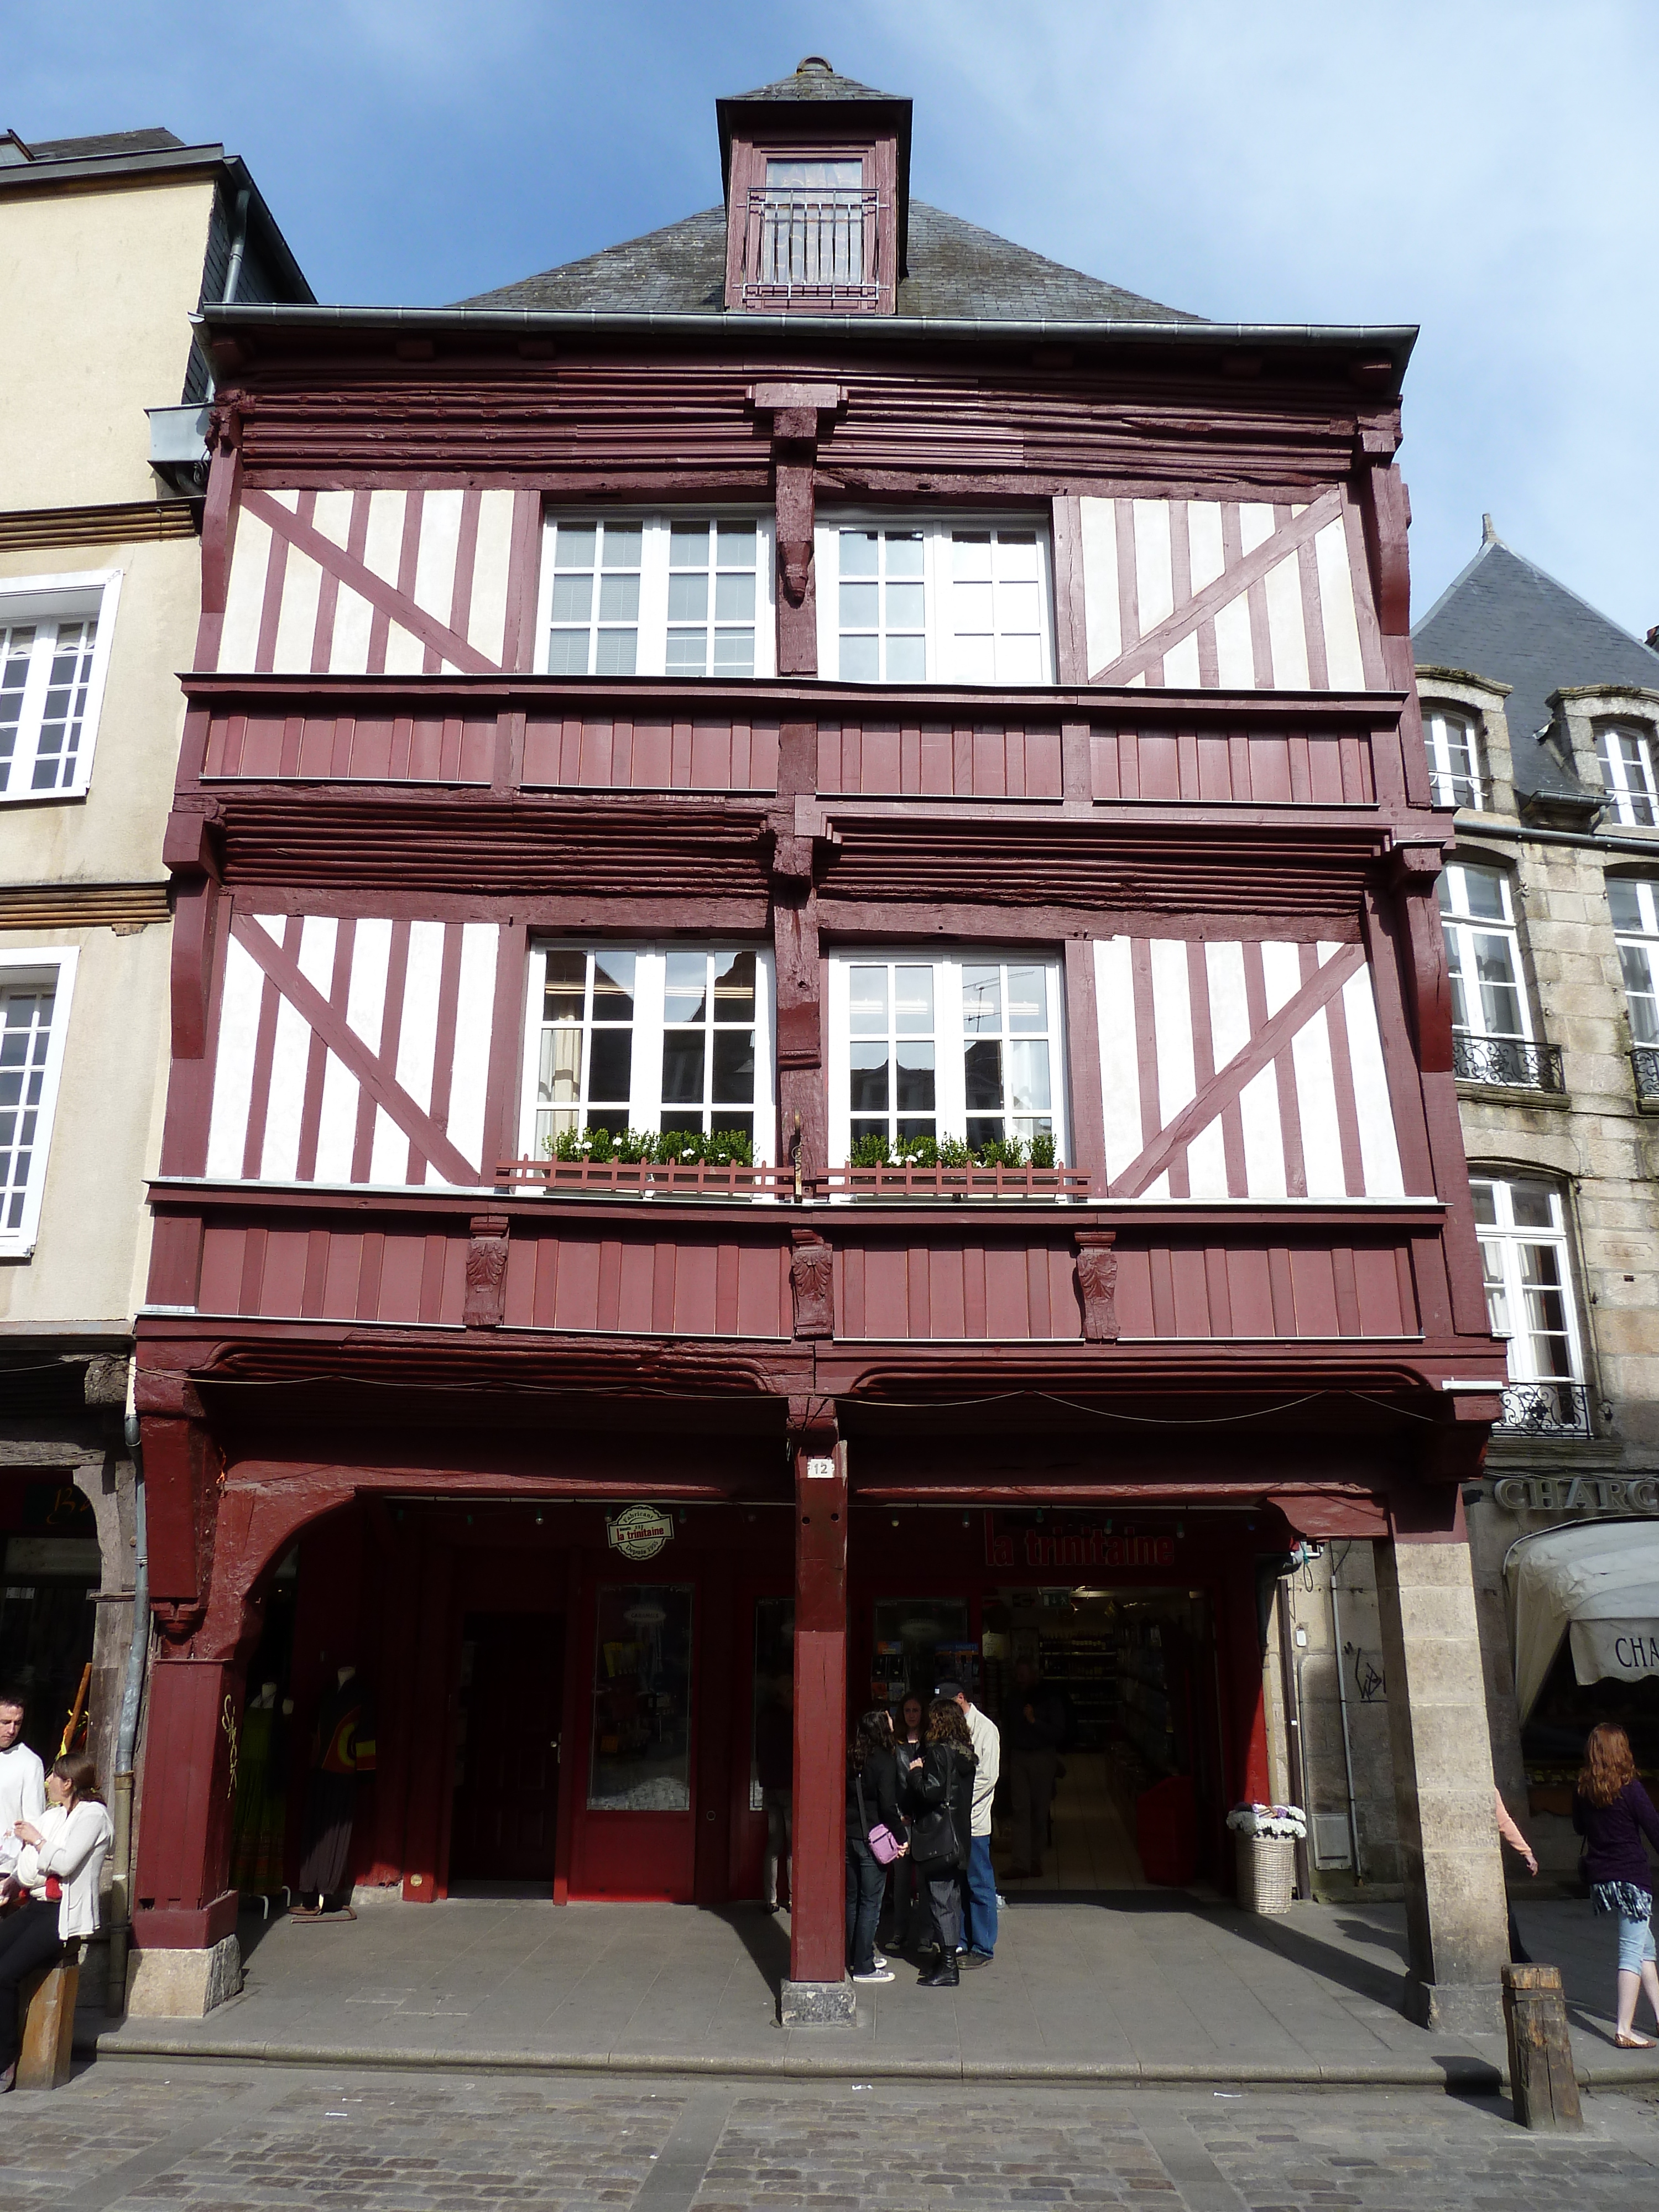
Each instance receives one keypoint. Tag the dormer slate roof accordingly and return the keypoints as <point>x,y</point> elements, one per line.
<point>111,142</point>
<point>817,84</point>
<point>956,271</point>
<point>1504,618</point>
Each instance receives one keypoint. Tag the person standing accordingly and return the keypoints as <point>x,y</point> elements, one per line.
<point>1512,1836</point>
<point>56,1879</point>
<point>23,1778</point>
<point>1037,1726</point>
<point>942,1798</point>
<point>1612,1812</point>
<point>913,1923</point>
<point>979,1879</point>
<point>775,1770</point>
<point>872,1801</point>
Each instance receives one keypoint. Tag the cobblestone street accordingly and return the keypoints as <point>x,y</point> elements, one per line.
<point>212,2139</point>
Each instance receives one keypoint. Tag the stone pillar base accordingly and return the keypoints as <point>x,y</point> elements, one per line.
<point>183,1985</point>
<point>818,2004</point>
<point>1457,2008</point>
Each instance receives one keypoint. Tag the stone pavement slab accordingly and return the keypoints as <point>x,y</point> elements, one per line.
<point>1134,1986</point>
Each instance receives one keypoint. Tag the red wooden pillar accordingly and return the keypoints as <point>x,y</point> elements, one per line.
<point>818,1990</point>
<point>182,1900</point>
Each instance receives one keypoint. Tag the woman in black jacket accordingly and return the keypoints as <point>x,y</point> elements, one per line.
<point>941,1800</point>
<point>871,1801</point>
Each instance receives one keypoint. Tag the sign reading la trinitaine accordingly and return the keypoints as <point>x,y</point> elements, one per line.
<point>1074,1545</point>
<point>638,1532</point>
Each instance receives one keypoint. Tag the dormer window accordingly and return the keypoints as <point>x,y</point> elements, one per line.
<point>1455,771</point>
<point>1628,771</point>
<point>816,172</point>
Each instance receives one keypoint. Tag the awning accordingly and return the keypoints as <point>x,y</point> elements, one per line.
<point>1599,1580</point>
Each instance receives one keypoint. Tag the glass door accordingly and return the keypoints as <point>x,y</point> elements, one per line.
<point>636,1833</point>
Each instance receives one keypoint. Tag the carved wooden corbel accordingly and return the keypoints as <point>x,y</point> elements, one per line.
<point>798,416</point>
<point>812,1280</point>
<point>1096,1283</point>
<point>486,1271</point>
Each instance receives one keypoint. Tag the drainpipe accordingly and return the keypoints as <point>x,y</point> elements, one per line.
<point>127,1739</point>
<point>238,246</point>
<point>1342,1707</point>
<point>1290,1684</point>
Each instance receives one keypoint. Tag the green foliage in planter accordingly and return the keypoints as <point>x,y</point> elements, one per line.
<point>632,1147</point>
<point>874,1151</point>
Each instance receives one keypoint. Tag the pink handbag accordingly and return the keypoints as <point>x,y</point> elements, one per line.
<point>884,1845</point>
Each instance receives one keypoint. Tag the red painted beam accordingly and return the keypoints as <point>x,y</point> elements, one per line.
<point>817,1942</point>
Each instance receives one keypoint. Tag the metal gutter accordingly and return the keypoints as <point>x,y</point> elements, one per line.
<point>1397,339</point>
<point>1476,825</point>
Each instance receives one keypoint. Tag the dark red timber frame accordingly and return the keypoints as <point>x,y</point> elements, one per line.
<point>313,1352</point>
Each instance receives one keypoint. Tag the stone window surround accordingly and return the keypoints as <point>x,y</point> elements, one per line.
<point>1502,860</point>
<point>1481,699</point>
<point>1581,709</point>
<point>1499,1155</point>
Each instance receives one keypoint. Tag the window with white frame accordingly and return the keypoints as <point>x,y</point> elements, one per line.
<point>657,595</point>
<point>966,1046</point>
<point>1489,1004</point>
<point>1634,904</point>
<point>1522,1231</point>
<point>34,1005</point>
<point>54,649</point>
<point>1626,757</point>
<point>1455,771</point>
<point>938,600</point>
<point>659,1038</point>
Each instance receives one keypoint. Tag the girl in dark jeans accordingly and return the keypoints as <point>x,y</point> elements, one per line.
<point>943,1781</point>
<point>1612,1812</point>
<point>872,1799</point>
<point>913,1918</point>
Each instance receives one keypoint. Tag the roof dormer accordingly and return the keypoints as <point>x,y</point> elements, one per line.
<point>816,171</point>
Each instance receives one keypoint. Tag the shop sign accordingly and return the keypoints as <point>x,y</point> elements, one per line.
<point>1625,1650</point>
<point>645,1616</point>
<point>1576,1493</point>
<point>1075,1547</point>
<point>638,1532</point>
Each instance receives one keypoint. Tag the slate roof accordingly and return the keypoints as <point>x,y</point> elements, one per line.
<point>814,82</point>
<point>955,270</point>
<point>112,142</point>
<point>1504,618</point>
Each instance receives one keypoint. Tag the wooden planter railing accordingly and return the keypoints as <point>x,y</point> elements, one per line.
<point>703,1179</point>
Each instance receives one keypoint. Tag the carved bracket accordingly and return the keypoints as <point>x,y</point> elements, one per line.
<point>486,1271</point>
<point>812,1280</point>
<point>799,415</point>
<point>1096,1283</point>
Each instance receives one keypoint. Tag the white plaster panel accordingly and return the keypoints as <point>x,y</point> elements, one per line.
<point>474,1018</point>
<point>1379,1145</point>
<point>486,621</point>
<point>245,599</point>
<point>239,998</point>
<point>1120,1073</point>
<point>1287,636</point>
<point>1172,1013</point>
<point>1102,622</point>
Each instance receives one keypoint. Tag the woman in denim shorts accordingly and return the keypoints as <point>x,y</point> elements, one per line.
<point>1612,1812</point>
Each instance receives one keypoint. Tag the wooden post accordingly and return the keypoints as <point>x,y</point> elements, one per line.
<point>1542,2081</point>
<point>819,1991</point>
<point>49,2024</point>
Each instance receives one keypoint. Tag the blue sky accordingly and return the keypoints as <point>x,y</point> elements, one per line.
<point>1484,170</point>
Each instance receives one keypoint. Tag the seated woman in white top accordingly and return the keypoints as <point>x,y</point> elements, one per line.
<point>57,1877</point>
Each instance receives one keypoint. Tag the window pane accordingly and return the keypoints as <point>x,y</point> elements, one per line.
<point>982,1073</point>
<point>624,543</point>
<point>1028,1000</point>
<point>641,1757</point>
<point>975,660</point>
<point>734,653</point>
<point>609,1066</point>
<point>906,605</point>
<point>1534,1205</point>
<point>914,1001</point>
<point>972,606</point>
<point>734,987</point>
<point>559,1077</point>
<point>904,553</point>
<point>868,1092</point>
<point>566,653</point>
<point>687,654</point>
<point>1641,991</point>
<point>858,606</point>
<point>1017,555</point>
<point>685,988</point>
<point>916,1078</point>
<point>682,1065</point>
<point>734,1067</point>
<point>734,599</point>
<point>970,556</point>
<point>616,653</point>
<point>613,986</point>
<point>1484,891</point>
<point>1485,1208</point>
<point>843,174</point>
<point>574,548</point>
<point>1028,1076</point>
<point>619,599</point>
<point>867,995</point>
<point>859,662</point>
<point>982,999</point>
<point>688,596</point>
<point>1494,960</point>
<point>573,598</point>
<point>1019,660</point>
<point>564,999</point>
<point>688,546</point>
<point>1625,903</point>
<point>737,542</point>
<point>907,660</point>
<point>860,549</point>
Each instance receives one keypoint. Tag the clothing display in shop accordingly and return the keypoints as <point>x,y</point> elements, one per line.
<point>343,1749</point>
<point>260,1820</point>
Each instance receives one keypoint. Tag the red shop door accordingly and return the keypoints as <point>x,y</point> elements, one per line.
<point>634,1830</point>
<point>507,1801</point>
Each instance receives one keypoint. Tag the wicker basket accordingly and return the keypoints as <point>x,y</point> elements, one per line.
<point>1266,1873</point>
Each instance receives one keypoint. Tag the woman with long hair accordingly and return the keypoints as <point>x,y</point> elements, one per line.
<point>1612,1812</point>
<point>912,1920</point>
<point>57,1877</point>
<point>872,1801</point>
<point>941,1800</point>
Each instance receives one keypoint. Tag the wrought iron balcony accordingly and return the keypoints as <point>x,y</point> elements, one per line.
<point>1511,1062</point>
<point>1468,791</point>
<point>811,247</point>
<point>1545,1409</point>
<point>1644,1062</point>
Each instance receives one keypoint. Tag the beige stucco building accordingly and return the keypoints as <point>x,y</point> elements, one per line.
<point>1542,720</point>
<point>107,247</point>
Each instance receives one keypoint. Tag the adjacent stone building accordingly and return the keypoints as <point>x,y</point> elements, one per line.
<point>1541,719</point>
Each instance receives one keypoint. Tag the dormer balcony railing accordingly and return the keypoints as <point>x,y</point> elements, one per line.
<point>807,247</point>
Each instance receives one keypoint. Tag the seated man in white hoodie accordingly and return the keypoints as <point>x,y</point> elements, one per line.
<point>23,1778</point>
<point>57,1873</point>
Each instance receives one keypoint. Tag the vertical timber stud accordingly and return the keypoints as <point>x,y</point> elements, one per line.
<point>798,416</point>
<point>1457,1915</point>
<point>818,1991</point>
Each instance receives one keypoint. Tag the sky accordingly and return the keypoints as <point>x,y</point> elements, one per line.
<point>1486,171</point>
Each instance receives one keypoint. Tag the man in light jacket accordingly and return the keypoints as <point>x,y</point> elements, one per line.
<point>980,1880</point>
<point>22,1779</point>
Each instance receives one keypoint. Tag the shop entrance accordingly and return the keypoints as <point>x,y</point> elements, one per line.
<point>505,1824</point>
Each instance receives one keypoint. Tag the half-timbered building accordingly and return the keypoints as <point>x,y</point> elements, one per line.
<point>810,1049</point>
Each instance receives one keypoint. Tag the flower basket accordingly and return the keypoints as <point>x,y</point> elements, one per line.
<point>1266,1873</point>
